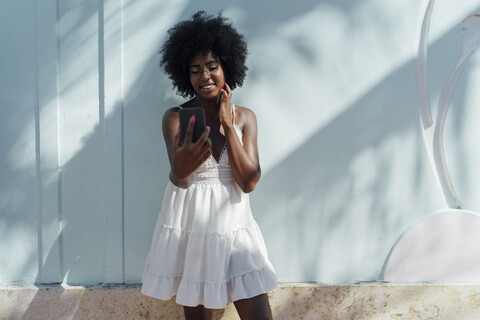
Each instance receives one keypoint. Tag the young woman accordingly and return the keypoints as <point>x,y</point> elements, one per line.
<point>207,249</point>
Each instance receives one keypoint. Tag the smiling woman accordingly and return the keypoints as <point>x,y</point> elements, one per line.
<point>207,249</point>
<point>189,38</point>
<point>344,167</point>
<point>206,74</point>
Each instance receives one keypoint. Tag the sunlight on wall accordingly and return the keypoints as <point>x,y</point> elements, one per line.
<point>319,53</point>
<point>80,64</point>
<point>333,87</point>
<point>315,66</point>
<point>351,157</point>
<point>78,79</point>
<point>22,155</point>
<point>145,27</point>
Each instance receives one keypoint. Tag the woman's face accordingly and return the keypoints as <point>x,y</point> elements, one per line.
<point>206,75</point>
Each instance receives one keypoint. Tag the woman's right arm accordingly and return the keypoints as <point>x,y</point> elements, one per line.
<point>185,157</point>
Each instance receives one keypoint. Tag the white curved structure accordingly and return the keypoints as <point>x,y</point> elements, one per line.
<point>443,247</point>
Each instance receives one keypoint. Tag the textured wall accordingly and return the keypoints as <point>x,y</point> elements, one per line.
<point>82,161</point>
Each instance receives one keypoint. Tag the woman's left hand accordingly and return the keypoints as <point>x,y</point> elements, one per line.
<point>226,106</point>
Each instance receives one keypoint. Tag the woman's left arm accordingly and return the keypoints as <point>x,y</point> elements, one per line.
<point>244,159</point>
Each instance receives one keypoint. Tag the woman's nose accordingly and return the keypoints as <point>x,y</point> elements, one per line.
<point>205,74</point>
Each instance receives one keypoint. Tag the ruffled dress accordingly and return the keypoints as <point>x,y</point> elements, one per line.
<point>207,248</point>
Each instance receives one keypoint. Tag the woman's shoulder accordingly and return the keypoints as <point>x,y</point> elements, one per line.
<point>244,115</point>
<point>244,111</point>
<point>171,114</point>
<point>173,111</point>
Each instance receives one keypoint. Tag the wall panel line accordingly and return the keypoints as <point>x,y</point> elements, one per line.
<point>38,174</point>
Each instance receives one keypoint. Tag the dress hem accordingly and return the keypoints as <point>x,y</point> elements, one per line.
<point>241,286</point>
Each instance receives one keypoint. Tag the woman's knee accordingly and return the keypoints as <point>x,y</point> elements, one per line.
<point>256,308</point>
<point>197,313</point>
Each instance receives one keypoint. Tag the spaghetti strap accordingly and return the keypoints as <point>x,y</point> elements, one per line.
<point>233,111</point>
<point>222,131</point>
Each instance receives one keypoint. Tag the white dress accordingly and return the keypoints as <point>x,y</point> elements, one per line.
<point>207,249</point>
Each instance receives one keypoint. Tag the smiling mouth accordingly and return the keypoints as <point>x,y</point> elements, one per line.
<point>206,87</point>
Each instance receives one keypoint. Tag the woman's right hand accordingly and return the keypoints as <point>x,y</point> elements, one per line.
<point>188,156</point>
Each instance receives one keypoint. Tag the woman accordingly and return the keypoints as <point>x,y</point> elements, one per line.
<point>207,248</point>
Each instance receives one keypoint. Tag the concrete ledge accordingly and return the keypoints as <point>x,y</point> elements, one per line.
<point>290,301</point>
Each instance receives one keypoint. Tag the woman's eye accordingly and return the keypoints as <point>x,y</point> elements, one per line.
<point>213,68</point>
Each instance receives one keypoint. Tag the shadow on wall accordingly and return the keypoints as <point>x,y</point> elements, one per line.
<point>302,204</point>
<point>143,149</point>
<point>145,171</point>
<point>77,250</point>
<point>334,192</point>
<point>17,190</point>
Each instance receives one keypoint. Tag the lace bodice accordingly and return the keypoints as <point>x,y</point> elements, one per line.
<point>216,172</point>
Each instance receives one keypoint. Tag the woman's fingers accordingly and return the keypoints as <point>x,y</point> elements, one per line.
<point>204,136</point>
<point>229,90</point>
<point>204,144</point>
<point>207,150</point>
<point>225,94</point>
<point>191,155</point>
<point>189,132</point>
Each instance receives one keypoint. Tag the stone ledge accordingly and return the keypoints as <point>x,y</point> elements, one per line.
<point>368,300</point>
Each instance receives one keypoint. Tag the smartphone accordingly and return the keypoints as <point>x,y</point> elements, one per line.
<point>185,115</point>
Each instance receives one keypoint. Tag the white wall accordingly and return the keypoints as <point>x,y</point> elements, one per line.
<point>345,172</point>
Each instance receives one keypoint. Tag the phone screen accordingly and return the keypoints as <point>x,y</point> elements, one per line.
<point>185,115</point>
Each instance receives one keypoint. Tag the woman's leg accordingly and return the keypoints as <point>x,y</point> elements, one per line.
<point>256,308</point>
<point>198,313</point>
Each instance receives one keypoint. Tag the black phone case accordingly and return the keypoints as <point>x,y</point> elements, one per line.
<point>185,115</point>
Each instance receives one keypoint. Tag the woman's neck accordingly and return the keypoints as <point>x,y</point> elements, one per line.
<point>211,107</point>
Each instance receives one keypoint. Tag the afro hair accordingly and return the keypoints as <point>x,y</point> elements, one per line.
<point>201,34</point>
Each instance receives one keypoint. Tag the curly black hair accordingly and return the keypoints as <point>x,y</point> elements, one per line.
<point>202,34</point>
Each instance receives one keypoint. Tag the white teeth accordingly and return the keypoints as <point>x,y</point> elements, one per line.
<point>208,87</point>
